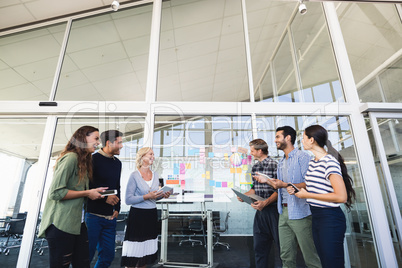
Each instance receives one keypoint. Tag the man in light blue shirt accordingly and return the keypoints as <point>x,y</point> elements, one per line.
<point>294,213</point>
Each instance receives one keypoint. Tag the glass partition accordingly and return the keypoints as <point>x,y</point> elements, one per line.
<point>202,158</point>
<point>202,52</point>
<point>107,57</point>
<point>368,30</point>
<point>28,62</point>
<point>20,143</point>
<point>359,237</point>
<point>391,139</point>
<point>291,63</point>
<point>133,130</point>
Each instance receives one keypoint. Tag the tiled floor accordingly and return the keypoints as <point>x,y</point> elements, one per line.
<point>240,255</point>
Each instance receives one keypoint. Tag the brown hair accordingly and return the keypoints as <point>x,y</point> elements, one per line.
<point>78,144</point>
<point>259,144</point>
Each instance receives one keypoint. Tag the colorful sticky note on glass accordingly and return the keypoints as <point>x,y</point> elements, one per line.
<point>182,168</point>
<point>210,154</point>
<point>230,184</point>
<point>202,150</point>
<point>202,175</point>
<point>211,183</point>
<point>249,159</point>
<point>226,156</point>
<point>182,176</point>
<point>176,171</point>
<point>245,167</point>
<point>238,170</point>
<point>218,184</point>
<point>232,170</point>
<point>224,184</point>
<point>242,150</point>
<point>188,166</point>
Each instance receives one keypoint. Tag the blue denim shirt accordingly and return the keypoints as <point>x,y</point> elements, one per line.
<point>298,162</point>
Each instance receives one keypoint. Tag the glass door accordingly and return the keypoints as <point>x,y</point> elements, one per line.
<point>387,129</point>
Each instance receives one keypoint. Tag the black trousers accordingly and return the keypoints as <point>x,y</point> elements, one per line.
<point>265,231</point>
<point>66,249</point>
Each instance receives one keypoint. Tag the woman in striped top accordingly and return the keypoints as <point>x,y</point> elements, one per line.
<point>327,186</point>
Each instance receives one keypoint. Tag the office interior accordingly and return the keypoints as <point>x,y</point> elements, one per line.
<point>196,80</point>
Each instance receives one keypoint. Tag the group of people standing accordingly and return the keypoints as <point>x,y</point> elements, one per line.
<point>302,200</point>
<point>78,219</point>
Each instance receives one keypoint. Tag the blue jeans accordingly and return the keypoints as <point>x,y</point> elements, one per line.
<point>329,226</point>
<point>102,236</point>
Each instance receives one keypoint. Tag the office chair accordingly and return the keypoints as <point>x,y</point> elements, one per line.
<point>120,230</point>
<point>219,228</point>
<point>195,226</point>
<point>15,231</point>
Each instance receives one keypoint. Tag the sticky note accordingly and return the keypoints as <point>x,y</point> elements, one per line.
<point>238,170</point>
<point>210,154</point>
<point>182,168</point>
<point>242,150</point>
<point>202,175</point>
<point>226,156</point>
<point>230,184</point>
<point>224,184</point>
<point>176,171</point>
<point>172,181</point>
<point>232,170</point>
<point>245,167</point>
<point>182,176</point>
<point>211,183</point>
<point>188,166</point>
<point>218,184</point>
<point>202,150</point>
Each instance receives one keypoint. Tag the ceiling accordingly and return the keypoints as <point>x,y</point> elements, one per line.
<point>202,52</point>
<point>19,12</point>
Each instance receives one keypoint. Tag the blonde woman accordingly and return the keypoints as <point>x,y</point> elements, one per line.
<point>140,244</point>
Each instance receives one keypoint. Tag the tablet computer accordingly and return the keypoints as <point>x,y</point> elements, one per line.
<point>249,199</point>
<point>166,189</point>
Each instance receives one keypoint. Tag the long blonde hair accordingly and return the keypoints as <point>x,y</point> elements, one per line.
<point>141,152</point>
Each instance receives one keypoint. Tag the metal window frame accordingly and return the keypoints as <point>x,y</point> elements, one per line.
<point>151,107</point>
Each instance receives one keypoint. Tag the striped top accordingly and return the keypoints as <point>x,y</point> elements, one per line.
<point>317,179</point>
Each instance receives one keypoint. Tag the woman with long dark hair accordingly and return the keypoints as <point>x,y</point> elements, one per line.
<point>327,186</point>
<point>62,220</point>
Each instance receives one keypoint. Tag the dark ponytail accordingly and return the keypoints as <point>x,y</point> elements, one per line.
<point>320,135</point>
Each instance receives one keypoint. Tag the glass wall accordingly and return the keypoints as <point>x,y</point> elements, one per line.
<point>202,158</point>
<point>368,30</point>
<point>390,130</point>
<point>359,236</point>
<point>202,52</point>
<point>28,62</point>
<point>133,129</point>
<point>291,63</point>
<point>20,143</point>
<point>107,57</point>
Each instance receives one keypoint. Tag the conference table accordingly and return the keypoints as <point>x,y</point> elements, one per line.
<point>165,215</point>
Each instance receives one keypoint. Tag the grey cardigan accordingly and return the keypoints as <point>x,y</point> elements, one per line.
<point>137,188</point>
